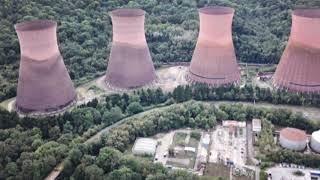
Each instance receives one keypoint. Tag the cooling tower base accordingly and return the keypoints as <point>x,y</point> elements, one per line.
<point>213,82</point>
<point>296,89</point>
<point>115,88</point>
<point>22,112</point>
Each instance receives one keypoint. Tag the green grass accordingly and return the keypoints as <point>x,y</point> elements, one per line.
<point>217,170</point>
<point>196,135</point>
<point>193,143</point>
<point>191,157</point>
<point>179,139</point>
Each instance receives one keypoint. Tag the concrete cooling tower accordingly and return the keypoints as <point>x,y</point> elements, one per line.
<point>130,63</point>
<point>214,60</point>
<point>299,67</point>
<point>44,84</point>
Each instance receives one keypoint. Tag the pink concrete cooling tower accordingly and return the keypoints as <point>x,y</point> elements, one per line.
<point>130,63</point>
<point>214,60</point>
<point>299,67</point>
<point>44,84</point>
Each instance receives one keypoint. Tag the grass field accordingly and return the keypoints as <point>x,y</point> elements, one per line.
<point>179,139</point>
<point>217,170</point>
<point>183,160</point>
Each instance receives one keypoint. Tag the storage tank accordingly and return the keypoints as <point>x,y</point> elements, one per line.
<point>298,69</point>
<point>294,139</point>
<point>214,60</point>
<point>44,84</point>
<point>130,63</point>
<point>315,141</point>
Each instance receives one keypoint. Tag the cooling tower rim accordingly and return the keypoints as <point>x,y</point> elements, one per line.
<point>216,10</point>
<point>35,25</point>
<point>313,13</point>
<point>128,12</point>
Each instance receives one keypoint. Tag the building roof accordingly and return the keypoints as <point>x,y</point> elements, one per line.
<point>233,123</point>
<point>144,146</point>
<point>293,134</point>
<point>206,139</point>
<point>192,149</point>
<point>256,125</point>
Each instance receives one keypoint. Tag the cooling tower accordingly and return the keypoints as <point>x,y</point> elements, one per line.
<point>44,84</point>
<point>214,60</point>
<point>130,63</point>
<point>299,67</point>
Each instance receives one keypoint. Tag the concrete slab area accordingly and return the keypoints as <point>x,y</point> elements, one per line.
<point>281,173</point>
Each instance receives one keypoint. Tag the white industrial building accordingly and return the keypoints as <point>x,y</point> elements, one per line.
<point>294,139</point>
<point>206,140</point>
<point>190,149</point>
<point>256,126</point>
<point>233,123</point>
<point>315,141</point>
<point>144,146</point>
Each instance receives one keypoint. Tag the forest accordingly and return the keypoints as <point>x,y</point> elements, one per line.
<point>260,31</point>
<point>30,148</point>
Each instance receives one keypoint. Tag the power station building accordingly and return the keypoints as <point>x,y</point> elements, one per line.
<point>298,69</point>
<point>292,138</point>
<point>214,60</point>
<point>130,64</point>
<point>44,84</point>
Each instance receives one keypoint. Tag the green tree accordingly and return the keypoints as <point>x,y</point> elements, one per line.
<point>124,174</point>
<point>113,115</point>
<point>134,108</point>
<point>93,172</point>
<point>108,159</point>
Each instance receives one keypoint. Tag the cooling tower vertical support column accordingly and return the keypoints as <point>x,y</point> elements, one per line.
<point>44,84</point>
<point>299,67</point>
<point>130,63</point>
<point>214,60</point>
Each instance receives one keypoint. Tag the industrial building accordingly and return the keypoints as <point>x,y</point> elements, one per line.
<point>44,84</point>
<point>145,146</point>
<point>315,141</point>
<point>214,60</point>
<point>130,65</point>
<point>233,123</point>
<point>205,141</point>
<point>256,126</point>
<point>294,139</point>
<point>298,69</point>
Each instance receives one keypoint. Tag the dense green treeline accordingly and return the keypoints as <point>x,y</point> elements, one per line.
<point>203,92</point>
<point>105,154</point>
<point>260,31</point>
<point>188,114</point>
<point>30,148</point>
